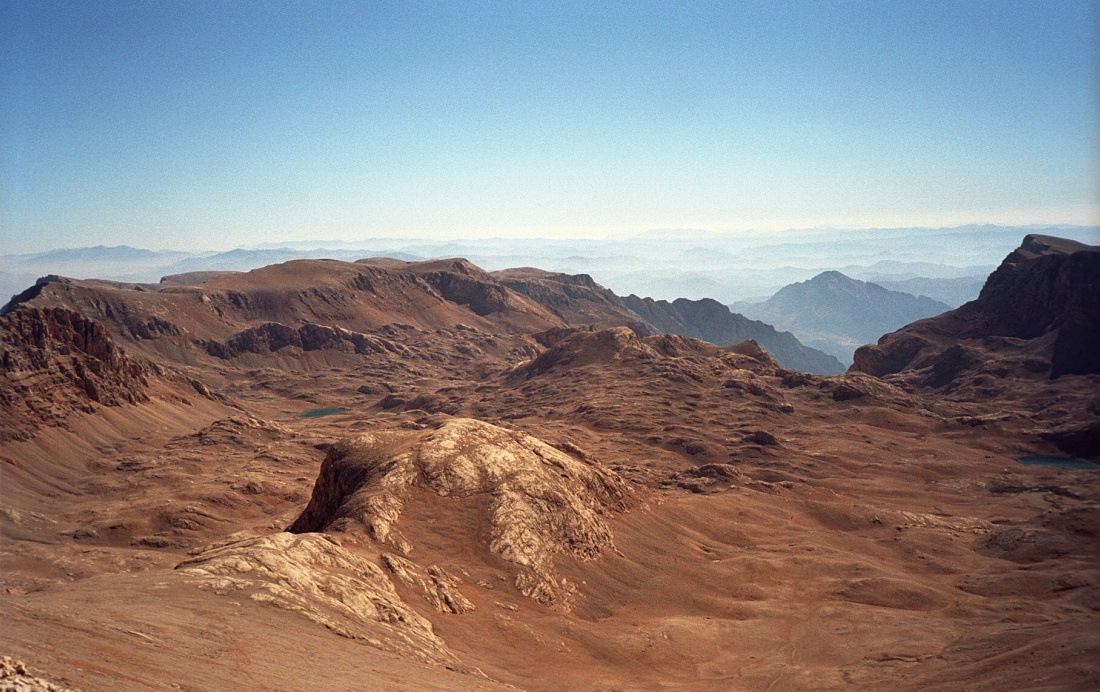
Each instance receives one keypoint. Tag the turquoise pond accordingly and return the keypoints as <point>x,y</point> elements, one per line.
<point>1061,463</point>
<point>320,412</point>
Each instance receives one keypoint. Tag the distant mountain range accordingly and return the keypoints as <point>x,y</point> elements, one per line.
<point>947,265</point>
<point>541,300</point>
<point>665,264</point>
<point>837,314</point>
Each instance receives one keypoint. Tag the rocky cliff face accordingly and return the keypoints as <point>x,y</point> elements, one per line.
<point>1043,300</point>
<point>272,336</point>
<point>460,282</point>
<point>54,362</point>
<point>576,298</point>
<point>1047,285</point>
<point>1027,345</point>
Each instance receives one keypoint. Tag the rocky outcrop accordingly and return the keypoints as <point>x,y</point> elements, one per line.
<point>272,337</point>
<point>669,355</point>
<point>1043,303</point>
<point>438,586</point>
<point>16,676</point>
<point>312,574</point>
<point>544,502</point>
<point>582,347</point>
<point>462,283</point>
<point>54,362</point>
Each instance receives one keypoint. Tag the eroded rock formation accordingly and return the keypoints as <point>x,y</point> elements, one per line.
<point>544,502</point>
<point>54,362</point>
<point>313,575</point>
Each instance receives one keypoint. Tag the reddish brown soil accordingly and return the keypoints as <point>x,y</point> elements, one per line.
<point>784,531</point>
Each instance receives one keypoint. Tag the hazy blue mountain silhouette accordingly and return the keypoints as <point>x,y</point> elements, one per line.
<point>836,314</point>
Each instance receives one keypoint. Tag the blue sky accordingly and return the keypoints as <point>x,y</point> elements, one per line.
<point>196,125</point>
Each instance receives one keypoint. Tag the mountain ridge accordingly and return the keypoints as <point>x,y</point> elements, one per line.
<point>331,293</point>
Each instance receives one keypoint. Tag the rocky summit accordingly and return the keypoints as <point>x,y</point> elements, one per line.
<point>421,475</point>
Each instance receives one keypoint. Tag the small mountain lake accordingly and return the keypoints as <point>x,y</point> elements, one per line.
<point>321,412</point>
<point>1060,463</point>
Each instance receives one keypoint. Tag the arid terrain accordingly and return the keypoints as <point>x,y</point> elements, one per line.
<point>391,475</point>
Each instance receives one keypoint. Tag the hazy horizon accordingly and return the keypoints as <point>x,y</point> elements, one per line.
<point>217,125</point>
<point>665,264</point>
<point>1088,233</point>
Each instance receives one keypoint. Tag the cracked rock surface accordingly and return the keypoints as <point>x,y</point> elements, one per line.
<point>544,502</point>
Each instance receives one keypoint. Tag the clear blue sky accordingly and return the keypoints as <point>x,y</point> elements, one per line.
<point>192,124</point>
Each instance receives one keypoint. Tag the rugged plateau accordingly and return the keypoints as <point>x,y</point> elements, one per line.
<point>421,475</point>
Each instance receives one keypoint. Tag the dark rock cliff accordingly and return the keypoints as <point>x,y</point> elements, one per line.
<point>1045,296</point>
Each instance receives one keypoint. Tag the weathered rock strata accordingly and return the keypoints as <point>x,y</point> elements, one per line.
<point>54,362</point>
<point>313,575</point>
<point>544,502</point>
